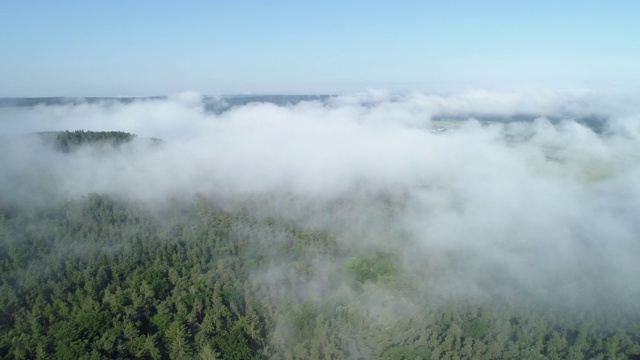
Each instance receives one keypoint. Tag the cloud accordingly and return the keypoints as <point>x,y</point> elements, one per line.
<point>548,207</point>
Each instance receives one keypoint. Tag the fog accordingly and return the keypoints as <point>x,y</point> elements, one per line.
<point>547,207</point>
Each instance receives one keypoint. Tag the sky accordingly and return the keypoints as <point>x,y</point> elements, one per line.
<point>142,48</point>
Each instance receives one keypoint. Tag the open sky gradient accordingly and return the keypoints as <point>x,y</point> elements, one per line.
<point>125,48</point>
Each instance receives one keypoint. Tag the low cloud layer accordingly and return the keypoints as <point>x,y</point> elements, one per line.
<point>547,206</point>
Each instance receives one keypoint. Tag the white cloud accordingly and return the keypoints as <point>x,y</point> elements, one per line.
<point>549,208</point>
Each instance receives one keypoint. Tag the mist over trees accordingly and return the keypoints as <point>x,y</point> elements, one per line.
<point>105,278</point>
<point>362,226</point>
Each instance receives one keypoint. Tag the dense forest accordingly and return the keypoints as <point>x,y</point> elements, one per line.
<point>106,277</point>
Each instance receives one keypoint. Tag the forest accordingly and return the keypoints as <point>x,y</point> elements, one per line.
<point>103,276</point>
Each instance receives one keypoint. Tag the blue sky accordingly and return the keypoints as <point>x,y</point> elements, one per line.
<point>121,48</point>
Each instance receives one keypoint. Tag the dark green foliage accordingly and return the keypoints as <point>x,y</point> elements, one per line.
<point>406,352</point>
<point>379,266</point>
<point>475,328</point>
<point>67,141</point>
<point>103,278</point>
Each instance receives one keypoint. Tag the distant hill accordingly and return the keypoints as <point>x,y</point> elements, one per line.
<point>56,100</point>
<point>223,103</point>
<point>216,104</point>
<point>594,122</point>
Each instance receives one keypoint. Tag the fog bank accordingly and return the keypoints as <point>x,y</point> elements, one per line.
<point>546,207</point>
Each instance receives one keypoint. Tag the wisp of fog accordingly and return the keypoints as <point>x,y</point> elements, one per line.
<point>493,193</point>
